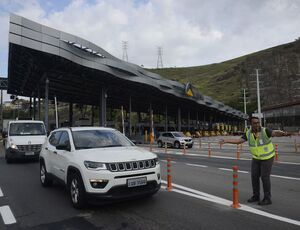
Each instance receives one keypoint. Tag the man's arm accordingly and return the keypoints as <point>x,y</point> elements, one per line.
<point>279,133</point>
<point>232,141</point>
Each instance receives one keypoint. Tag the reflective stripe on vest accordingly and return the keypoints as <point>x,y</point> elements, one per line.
<point>262,147</point>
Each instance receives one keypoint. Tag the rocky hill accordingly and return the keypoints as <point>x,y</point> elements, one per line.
<point>279,74</point>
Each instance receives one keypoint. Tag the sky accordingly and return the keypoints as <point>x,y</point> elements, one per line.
<point>190,32</point>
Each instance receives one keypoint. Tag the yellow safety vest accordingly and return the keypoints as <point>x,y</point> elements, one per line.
<point>261,148</point>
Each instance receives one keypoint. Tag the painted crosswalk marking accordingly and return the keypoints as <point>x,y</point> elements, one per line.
<point>7,215</point>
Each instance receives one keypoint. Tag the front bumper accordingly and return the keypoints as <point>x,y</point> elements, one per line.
<point>17,154</point>
<point>117,187</point>
<point>122,192</point>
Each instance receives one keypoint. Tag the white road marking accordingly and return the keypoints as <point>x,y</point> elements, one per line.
<point>286,177</point>
<point>1,193</point>
<point>7,215</point>
<point>208,197</point>
<point>202,166</point>
<point>225,169</point>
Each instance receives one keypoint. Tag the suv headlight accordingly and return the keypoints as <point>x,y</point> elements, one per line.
<point>91,165</point>
<point>156,161</point>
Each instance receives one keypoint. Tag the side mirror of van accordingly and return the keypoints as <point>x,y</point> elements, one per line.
<point>4,134</point>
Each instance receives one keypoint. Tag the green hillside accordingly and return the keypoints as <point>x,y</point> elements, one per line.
<point>221,81</point>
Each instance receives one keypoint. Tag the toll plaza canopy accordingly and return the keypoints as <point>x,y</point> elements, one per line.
<point>45,62</point>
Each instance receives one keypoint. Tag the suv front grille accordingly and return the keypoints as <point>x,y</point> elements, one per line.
<point>29,148</point>
<point>130,166</point>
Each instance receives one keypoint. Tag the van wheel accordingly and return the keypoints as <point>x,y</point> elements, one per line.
<point>44,176</point>
<point>77,191</point>
<point>177,145</point>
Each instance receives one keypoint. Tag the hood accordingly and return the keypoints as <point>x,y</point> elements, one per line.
<point>115,154</point>
<point>25,140</point>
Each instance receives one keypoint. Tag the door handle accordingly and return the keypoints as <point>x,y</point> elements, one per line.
<point>46,148</point>
<point>54,152</point>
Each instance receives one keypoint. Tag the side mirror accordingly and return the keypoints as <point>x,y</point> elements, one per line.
<point>134,142</point>
<point>63,147</point>
<point>4,134</point>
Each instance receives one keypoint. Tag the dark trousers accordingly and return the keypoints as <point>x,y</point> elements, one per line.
<point>261,169</point>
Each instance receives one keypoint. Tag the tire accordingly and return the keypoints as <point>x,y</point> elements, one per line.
<point>177,145</point>
<point>44,176</point>
<point>160,145</point>
<point>77,191</point>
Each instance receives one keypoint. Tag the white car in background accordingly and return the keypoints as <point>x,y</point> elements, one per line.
<point>174,139</point>
<point>98,163</point>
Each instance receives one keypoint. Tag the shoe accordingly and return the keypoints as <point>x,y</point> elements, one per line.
<point>265,201</point>
<point>253,199</point>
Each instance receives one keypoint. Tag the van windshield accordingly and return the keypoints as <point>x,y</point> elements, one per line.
<point>26,129</point>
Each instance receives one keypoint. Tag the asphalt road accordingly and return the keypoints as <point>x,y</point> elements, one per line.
<point>200,199</point>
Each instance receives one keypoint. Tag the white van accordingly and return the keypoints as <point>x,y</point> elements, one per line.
<point>24,139</point>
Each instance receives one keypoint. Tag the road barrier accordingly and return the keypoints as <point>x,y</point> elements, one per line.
<point>169,176</point>
<point>200,144</point>
<point>235,191</point>
<point>296,145</point>
<point>150,146</point>
<point>220,146</point>
<point>237,152</point>
<point>209,150</point>
<point>276,152</point>
<point>166,147</point>
<point>183,150</point>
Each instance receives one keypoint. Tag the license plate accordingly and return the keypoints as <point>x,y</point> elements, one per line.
<point>135,182</point>
<point>29,153</point>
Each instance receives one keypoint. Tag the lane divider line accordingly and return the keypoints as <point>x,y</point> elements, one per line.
<point>1,193</point>
<point>7,215</point>
<point>285,177</point>
<point>240,171</point>
<point>208,197</point>
<point>202,166</point>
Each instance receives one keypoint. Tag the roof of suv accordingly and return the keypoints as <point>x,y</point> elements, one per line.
<point>26,121</point>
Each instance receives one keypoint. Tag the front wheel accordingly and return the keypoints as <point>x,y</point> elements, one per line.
<point>77,191</point>
<point>160,145</point>
<point>177,145</point>
<point>44,176</point>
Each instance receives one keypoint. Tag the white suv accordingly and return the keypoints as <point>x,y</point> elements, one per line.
<point>99,163</point>
<point>175,139</point>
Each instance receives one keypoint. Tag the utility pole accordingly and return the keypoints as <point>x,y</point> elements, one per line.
<point>124,47</point>
<point>245,106</point>
<point>259,114</point>
<point>258,96</point>
<point>159,57</point>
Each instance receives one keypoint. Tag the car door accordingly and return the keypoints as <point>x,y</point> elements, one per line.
<point>50,148</point>
<point>61,156</point>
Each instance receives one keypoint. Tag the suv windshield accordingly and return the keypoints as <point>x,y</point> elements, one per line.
<point>87,139</point>
<point>26,129</point>
<point>178,134</point>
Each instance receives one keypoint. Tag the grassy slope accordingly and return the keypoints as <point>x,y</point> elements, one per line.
<point>220,81</point>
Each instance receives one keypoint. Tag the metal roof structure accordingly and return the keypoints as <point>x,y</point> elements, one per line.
<point>77,69</point>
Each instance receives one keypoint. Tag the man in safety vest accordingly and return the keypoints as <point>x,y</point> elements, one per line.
<point>263,152</point>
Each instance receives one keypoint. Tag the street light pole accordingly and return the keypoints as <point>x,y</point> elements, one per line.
<point>245,106</point>
<point>258,96</point>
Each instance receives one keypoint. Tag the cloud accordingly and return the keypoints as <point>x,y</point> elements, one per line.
<point>191,32</point>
